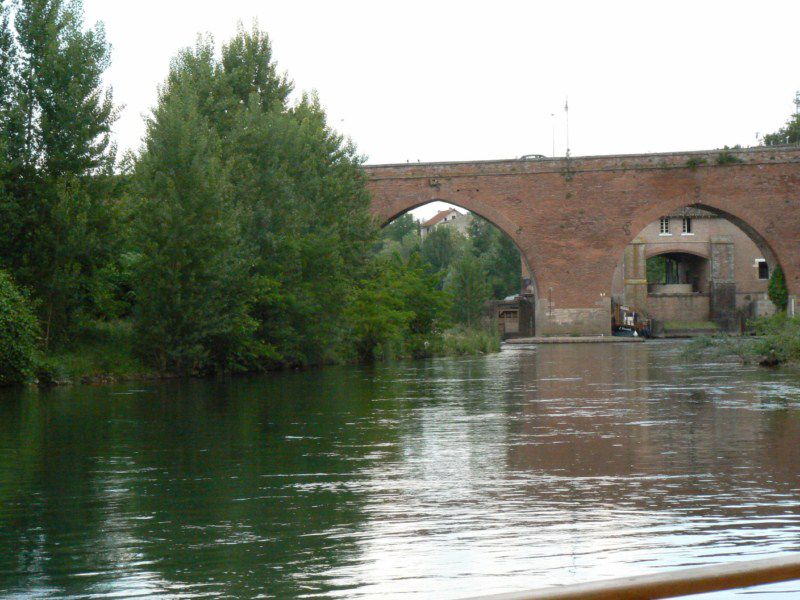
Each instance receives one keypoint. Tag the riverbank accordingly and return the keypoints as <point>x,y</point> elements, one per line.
<point>105,353</point>
<point>774,341</point>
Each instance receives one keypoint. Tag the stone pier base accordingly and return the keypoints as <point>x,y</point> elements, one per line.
<point>594,320</point>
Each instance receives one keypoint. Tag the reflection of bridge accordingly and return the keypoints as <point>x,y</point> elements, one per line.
<point>572,219</point>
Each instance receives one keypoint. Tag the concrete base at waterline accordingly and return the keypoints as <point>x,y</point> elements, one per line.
<point>594,339</point>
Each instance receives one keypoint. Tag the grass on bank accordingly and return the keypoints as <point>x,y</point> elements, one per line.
<point>773,341</point>
<point>461,341</point>
<point>102,351</point>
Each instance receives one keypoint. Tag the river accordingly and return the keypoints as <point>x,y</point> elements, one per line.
<point>430,479</point>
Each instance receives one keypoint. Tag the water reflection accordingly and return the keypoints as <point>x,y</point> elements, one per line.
<point>442,478</point>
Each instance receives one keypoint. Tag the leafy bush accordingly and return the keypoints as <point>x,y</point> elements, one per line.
<point>461,341</point>
<point>19,333</point>
<point>398,311</point>
<point>777,290</point>
<point>726,157</point>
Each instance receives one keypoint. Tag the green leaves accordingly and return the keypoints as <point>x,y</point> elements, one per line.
<point>254,223</point>
<point>777,290</point>
<point>398,310</point>
<point>55,157</point>
<point>467,284</point>
<point>19,332</point>
<point>190,284</point>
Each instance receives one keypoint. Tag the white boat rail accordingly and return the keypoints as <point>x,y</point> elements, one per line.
<point>670,584</point>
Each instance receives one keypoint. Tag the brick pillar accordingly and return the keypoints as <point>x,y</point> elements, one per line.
<point>722,283</point>
<point>635,276</point>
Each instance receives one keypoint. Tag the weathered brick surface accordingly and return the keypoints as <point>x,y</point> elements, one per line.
<point>573,219</point>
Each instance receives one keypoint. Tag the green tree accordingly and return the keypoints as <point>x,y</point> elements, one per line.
<point>56,226</point>
<point>500,257</point>
<point>777,290</point>
<point>788,134</point>
<point>656,267</point>
<point>468,289</point>
<point>293,188</point>
<point>398,310</point>
<point>441,247</point>
<point>190,284</point>
<point>19,333</point>
<point>398,229</point>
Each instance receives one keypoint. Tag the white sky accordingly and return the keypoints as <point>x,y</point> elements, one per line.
<point>445,80</point>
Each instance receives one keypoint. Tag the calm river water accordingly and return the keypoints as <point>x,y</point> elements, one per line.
<point>441,479</point>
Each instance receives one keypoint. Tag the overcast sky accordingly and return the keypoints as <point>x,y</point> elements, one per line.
<point>435,81</point>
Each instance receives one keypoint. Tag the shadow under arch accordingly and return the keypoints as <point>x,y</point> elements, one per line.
<point>678,249</point>
<point>513,232</point>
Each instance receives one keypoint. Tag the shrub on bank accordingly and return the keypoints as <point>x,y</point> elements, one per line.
<point>777,290</point>
<point>19,333</point>
<point>461,341</point>
<point>775,341</point>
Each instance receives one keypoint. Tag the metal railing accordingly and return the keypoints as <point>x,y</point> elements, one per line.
<point>671,584</point>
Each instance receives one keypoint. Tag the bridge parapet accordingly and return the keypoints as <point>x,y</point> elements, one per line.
<point>619,162</point>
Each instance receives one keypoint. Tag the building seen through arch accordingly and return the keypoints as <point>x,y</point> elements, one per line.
<point>692,269</point>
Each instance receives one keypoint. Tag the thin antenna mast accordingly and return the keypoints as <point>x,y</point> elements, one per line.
<point>566,110</point>
<point>553,124</point>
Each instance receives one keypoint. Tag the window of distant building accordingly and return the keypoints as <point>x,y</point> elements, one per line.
<point>687,226</point>
<point>763,268</point>
<point>664,224</point>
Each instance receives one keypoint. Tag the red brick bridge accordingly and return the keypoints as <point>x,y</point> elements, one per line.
<point>572,219</point>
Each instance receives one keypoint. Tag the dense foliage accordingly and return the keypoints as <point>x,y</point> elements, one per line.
<point>237,238</point>
<point>777,290</point>
<point>56,181</point>
<point>656,269</point>
<point>444,247</point>
<point>19,332</point>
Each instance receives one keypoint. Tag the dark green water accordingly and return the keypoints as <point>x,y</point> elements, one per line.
<point>438,479</point>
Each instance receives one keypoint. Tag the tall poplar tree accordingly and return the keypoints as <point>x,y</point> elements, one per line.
<point>191,285</point>
<point>292,186</point>
<point>56,228</point>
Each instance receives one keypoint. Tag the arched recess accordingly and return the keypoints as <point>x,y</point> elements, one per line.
<point>630,286</point>
<point>512,231</point>
<point>655,211</point>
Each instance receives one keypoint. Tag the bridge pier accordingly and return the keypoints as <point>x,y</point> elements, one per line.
<point>635,276</point>
<point>589,320</point>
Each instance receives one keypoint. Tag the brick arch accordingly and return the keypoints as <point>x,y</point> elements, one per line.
<point>481,209</point>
